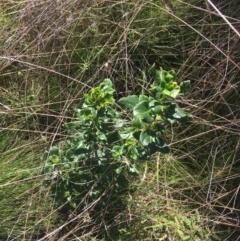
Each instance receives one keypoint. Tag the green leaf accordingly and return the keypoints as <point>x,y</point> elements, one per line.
<point>163,75</point>
<point>156,92</point>
<point>180,115</point>
<point>137,122</point>
<point>179,112</point>
<point>136,135</point>
<point>129,102</point>
<point>143,112</point>
<point>101,135</point>
<point>153,148</point>
<point>106,87</point>
<point>156,75</point>
<point>153,103</point>
<point>54,159</point>
<point>145,138</point>
<point>169,109</point>
<point>107,82</point>
<point>171,93</point>
<point>119,170</point>
<point>73,205</point>
<point>185,87</point>
<point>126,135</point>
<point>157,127</point>
<point>117,151</point>
<point>159,141</point>
<point>173,73</point>
<point>156,107</point>
<point>81,151</point>
<point>54,150</point>
<point>142,155</point>
<point>158,145</point>
<point>86,113</point>
<point>143,97</point>
<point>186,237</point>
<point>169,78</point>
<point>171,121</point>
<point>111,112</point>
<point>158,110</point>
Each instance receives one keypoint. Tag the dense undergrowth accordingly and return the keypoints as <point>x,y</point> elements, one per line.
<point>53,52</point>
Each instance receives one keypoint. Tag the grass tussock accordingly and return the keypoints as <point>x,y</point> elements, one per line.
<point>53,52</point>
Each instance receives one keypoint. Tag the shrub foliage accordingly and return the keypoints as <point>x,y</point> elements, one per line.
<point>107,142</point>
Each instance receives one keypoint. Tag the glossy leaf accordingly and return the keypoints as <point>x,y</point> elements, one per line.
<point>173,73</point>
<point>81,151</point>
<point>156,75</point>
<point>101,135</point>
<point>169,109</point>
<point>136,135</point>
<point>137,122</point>
<point>185,87</point>
<point>106,84</point>
<point>54,150</point>
<point>129,102</point>
<point>143,97</point>
<point>163,75</point>
<point>171,93</point>
<point>143,112</point>
<point>179,112</point>
<point>74,124</point>
<point>156,107</point>
<point>153,148</point>
<point>153,103</point>
<point>169,77</point>
<point>156,92</point>
<point>171,121</point>
<point>54,159</point>
<point>126,135</point>
<point>145,138</point>
<point>119,170</point>
<point>111,112</point>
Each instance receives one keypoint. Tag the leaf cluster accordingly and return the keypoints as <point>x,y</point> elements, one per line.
<point>107,144</point>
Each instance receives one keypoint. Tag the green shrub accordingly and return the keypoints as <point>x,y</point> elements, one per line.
<point>107,142</point>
